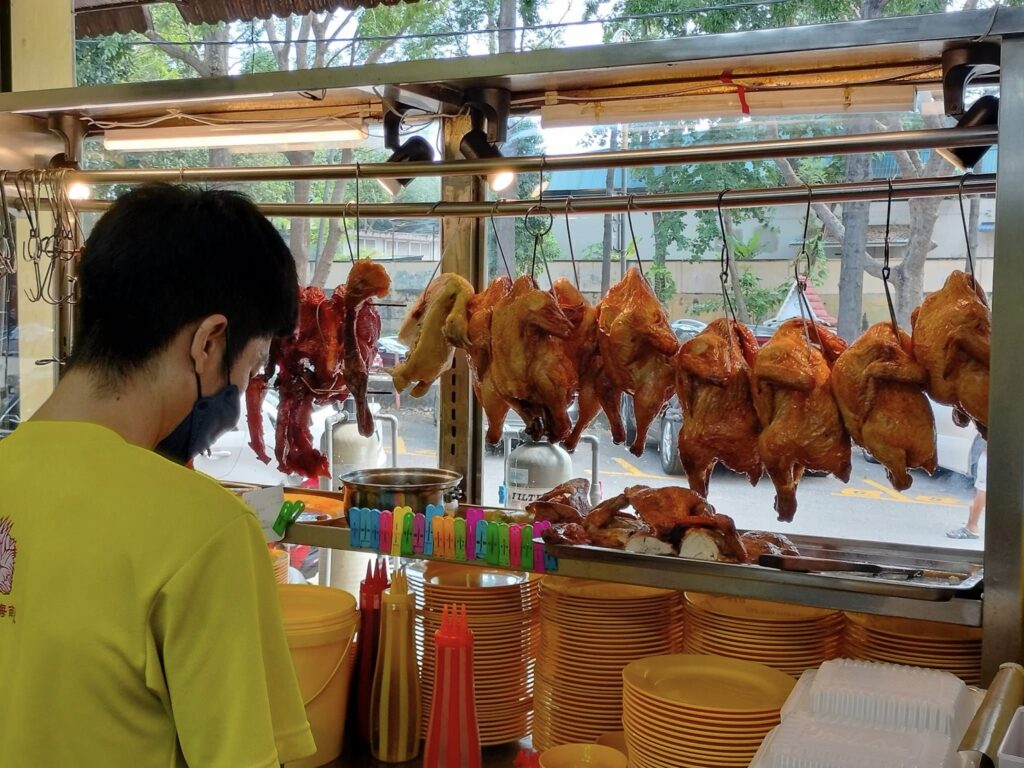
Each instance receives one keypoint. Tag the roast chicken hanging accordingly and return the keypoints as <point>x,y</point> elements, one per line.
<point>880,391</point>
<point>327,357</point>
<point>720,423</point>
<point>952,335</point>
<point>801,427</point>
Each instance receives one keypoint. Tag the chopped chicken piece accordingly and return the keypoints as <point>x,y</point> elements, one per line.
<point>757,543</point>
<point>573,494</point>
<point>879,388</point>
<point>952,336</point>
<point>648,544</point>
<point>565,533</point>
<point>703,544</point>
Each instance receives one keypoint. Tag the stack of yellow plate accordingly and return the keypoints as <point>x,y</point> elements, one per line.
<point>590,630</point>
<point>915,643</point>
<point>790,638</point>
<point>502,611</point>
<point>279,559</point>
<point>689,711</point>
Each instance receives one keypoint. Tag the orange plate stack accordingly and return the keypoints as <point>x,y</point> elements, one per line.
<point>948,647</point>
<point>590,630</point>
<point>789,638</point>
<point>502,610</point>
<point>688,711</point>
<point>279,559</point>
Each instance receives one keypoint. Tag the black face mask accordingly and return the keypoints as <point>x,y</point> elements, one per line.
<point>210,417</point>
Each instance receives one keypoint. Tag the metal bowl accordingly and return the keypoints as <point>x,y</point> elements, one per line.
<point>391,487</point>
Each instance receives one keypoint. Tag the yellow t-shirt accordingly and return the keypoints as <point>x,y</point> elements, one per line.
<point>139,621</point>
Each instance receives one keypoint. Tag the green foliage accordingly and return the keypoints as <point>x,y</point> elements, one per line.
<point>661,279</point>
<point>762,302</point>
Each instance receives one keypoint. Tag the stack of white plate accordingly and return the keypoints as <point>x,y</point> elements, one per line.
<point>590,631</point>
<point>789,638</point>
<point>501,607</point>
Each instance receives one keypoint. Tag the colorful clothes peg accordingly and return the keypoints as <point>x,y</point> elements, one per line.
<point>460,539</point>
<point>515,545</point>
<point>407,533</point>
<point>386,532</point>
<point>419,532</point>
<point>374,534</point>
<point>473,516</point>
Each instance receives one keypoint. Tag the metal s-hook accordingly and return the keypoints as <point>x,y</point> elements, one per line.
<point>497,240</point>
<point>568,235</point>
<point>538,235</point>
<point>963,220</point>
<point>357,212</point>
<point>886,269</point>
<point>632,235</point>
<point>801,280</point>
<point>724,259</point>
<point>348,240</point>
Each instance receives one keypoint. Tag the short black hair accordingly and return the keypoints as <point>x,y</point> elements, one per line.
<point>166,256</point>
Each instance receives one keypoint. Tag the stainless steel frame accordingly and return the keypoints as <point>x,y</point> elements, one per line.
<point>901,49</point>
<point>635,158</point>
<point>739,198</point>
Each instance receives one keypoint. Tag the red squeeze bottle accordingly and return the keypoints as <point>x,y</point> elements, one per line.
<point>370,590</point>
<point>453,736</point>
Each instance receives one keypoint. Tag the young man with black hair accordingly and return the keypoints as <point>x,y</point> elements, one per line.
<point>139,620</point>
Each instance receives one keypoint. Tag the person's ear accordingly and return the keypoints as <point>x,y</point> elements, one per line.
<point>209,343</point>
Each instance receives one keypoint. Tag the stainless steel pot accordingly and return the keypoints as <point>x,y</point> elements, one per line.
<point>390,487</point>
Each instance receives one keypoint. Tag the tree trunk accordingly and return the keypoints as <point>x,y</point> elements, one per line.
<point>606,242</point>
<point>739,302</point>
<point>507,13</point>
<point>854,242</point>
<point>298,236</point>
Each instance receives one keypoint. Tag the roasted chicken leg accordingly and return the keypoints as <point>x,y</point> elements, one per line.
<point>880,391</point>
<point>720,423</point>
<point>800,423</point>
<point>952,335</point>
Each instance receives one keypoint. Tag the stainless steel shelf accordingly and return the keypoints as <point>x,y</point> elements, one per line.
<point>702,576</point>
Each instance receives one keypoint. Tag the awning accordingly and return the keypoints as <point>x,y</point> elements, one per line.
<point>104,17</point>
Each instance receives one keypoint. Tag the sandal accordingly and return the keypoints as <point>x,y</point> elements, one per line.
<point>962,533</point>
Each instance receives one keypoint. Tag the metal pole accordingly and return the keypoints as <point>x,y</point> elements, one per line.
<point>1003,620</point>
<point>747,198</point>
<point>461,253</point>
<point>703,153</point>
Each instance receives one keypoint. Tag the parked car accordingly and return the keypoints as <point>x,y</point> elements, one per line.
<point>684,329</point>
<point>958,448</point>
<point>391,351</point>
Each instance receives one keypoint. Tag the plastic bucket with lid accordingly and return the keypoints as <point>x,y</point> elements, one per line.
<point>320,623</point>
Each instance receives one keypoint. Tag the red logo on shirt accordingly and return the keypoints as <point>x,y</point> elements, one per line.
<point>8,551</point>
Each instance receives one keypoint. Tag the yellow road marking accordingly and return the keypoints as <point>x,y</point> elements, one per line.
<point>400,442</point>
<point>880,492</point>
<point>632,470</point>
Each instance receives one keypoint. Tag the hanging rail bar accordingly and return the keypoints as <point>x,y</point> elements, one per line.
<point>903,189</point>
<point>632,158</point>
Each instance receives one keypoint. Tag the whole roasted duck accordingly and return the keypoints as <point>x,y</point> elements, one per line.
<point>306,369</point>
<point>361,330</point>
<point>436,325</point>
<point>801,427</point>
<point>528,364</point>
<point>880,391</point>
<point>327,357</point>
<point>952,337</point>
<point>720,424</point>
<point>636,344</point>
